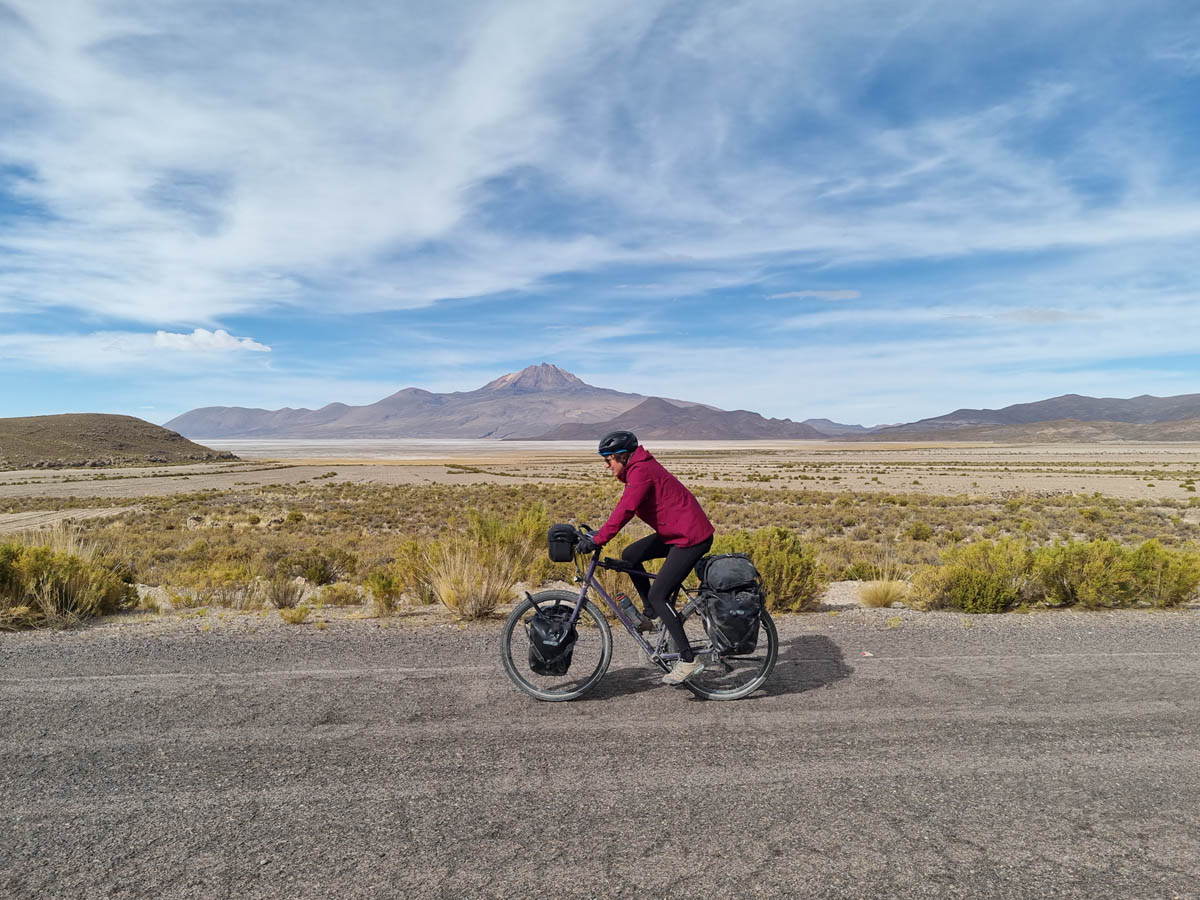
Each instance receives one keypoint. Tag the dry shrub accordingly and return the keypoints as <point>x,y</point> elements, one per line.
<point>890,584</point>
<point>474,571</point>
<point>470,577</point>
<point>233,587</point>
<point>284,592</point>
<point>41,586</point>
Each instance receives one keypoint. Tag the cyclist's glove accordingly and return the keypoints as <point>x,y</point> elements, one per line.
<point>587,544</point>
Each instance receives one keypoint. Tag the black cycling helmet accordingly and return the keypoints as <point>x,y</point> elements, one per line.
<point>618,442</point>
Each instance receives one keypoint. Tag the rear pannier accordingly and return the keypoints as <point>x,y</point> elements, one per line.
<point>562,540</point>
<point>731,602</point>
<point>551,640</point>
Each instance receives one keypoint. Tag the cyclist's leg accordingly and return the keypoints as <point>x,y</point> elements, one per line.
<point>680,561</point>
<point>650,547</point>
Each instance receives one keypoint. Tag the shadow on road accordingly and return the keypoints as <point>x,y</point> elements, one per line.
<point>805,663</point>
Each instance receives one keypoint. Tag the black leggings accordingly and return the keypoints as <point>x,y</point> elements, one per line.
<point>657,594</point>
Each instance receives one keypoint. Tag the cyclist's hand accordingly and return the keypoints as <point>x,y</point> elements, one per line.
<point>586,544</point>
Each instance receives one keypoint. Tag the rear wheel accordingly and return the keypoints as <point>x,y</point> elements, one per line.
<point>729,677</point>
<point>589,659</point>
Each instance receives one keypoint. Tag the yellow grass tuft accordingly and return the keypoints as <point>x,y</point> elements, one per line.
<point>295,615</point>
<point>879,594</point>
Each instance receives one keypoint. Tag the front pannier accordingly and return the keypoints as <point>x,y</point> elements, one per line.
<point>732,600</point>
<point>551,640</point>
<point>562,539</point>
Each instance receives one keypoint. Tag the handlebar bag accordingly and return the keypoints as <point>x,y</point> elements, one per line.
<point>562,540</point>
<point>551,640</point>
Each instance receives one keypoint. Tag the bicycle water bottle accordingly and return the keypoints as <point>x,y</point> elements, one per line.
<point>629,608</point>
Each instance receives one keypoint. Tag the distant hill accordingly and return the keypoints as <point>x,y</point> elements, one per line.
<point>829,428</point>
<point>657,419</point>
<point>1060,431</point>
<point>533,402</point>
<point>1142,410</point>
<point>93,439</point>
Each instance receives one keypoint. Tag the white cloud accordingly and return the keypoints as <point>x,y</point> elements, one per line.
<point>120,351</point>
<point>203,340</point>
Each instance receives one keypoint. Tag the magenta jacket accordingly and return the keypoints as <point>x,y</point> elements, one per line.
<point>660,500</point>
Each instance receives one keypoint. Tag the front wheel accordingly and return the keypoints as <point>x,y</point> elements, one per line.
<point>729,677</point>
<point>589,659</point>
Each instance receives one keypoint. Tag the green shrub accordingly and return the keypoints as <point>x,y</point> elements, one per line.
<point>341,593</point>
<point>918,531</point>
<point>1103,573</point>
<point>322,567</point>
<point>294,615</point>
<point>408,568</point>
<point>790,572</point>
<point>1162,576</point>
<point>1091,574</point>
<point>985,577</point>
<point>384,589</point>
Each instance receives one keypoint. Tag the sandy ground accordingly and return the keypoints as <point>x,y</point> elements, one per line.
<point>24,521</point>
<point>1131,471</point>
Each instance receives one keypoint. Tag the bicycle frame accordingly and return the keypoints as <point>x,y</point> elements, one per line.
<point>589,581</point>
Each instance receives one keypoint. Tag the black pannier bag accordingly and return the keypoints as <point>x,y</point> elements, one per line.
<point>551,640</point>
<point>732,599</point>
<point>562,540</point>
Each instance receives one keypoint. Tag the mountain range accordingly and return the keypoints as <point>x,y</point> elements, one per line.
<point>544,402</point>
<point>530,404</point>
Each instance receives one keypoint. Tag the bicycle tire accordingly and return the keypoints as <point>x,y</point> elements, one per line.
<point>714,684</point>
<point>548,688</point>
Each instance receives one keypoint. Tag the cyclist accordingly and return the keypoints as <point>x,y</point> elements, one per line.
<point>682,534</point>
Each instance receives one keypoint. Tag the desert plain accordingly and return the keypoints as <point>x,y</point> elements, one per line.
<point>183,753</point>
<point>1126,471</point>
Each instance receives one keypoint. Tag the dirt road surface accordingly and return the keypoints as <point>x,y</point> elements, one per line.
<point>894,755</point>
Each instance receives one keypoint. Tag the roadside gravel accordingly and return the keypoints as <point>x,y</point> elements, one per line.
<point>894,753</point>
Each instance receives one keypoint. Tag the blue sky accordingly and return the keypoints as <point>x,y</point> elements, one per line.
<point>867,211</point>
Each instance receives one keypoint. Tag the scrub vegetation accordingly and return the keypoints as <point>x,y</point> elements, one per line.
<point>467,546</point>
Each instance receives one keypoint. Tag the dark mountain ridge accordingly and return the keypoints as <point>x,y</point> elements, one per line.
<point>1142,410</point>
<point>530,401</point>
<point>657,419</point>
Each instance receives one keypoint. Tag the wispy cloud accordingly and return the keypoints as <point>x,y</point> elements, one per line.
<point>816,295</point>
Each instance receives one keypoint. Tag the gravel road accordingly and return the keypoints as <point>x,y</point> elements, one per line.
<point>895,754</point>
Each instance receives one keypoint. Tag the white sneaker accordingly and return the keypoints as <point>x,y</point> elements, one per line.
<point>682,671</point>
